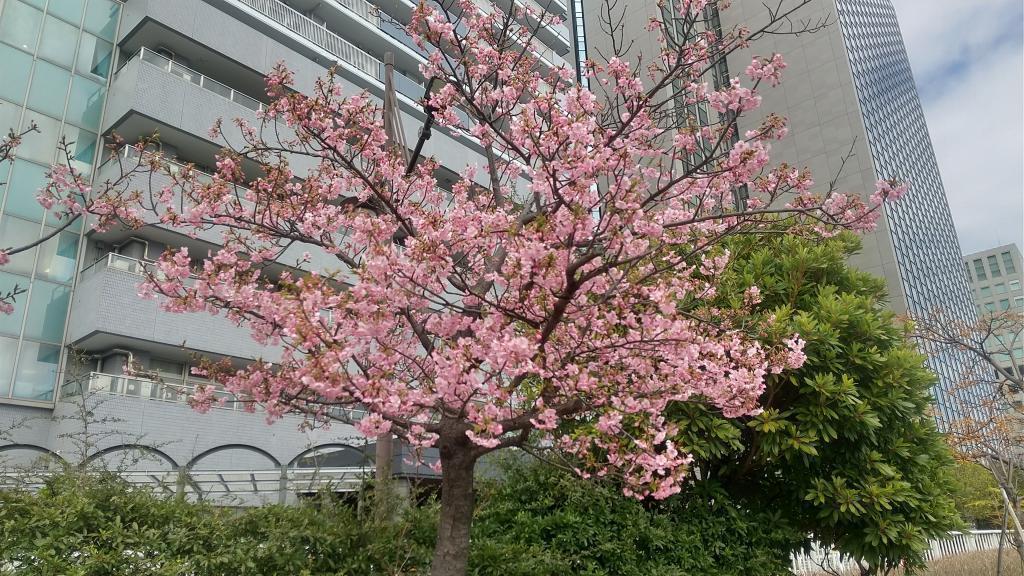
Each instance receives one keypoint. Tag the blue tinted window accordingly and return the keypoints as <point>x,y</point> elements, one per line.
<point>25,182</point>
<point>101,18</point>
<point>20,24</point>
<point>37,371</point>
<point>47,310</point>
<point>85,105</point>
<point>49,88</point>
<point>15,69</point>
<point>11,323</point>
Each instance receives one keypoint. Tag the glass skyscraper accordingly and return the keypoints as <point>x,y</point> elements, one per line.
<point>55,61</point>
<point>922,231</point>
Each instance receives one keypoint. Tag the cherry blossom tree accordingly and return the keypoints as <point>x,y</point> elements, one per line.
<point>556,293</point>
<point>984,407</point>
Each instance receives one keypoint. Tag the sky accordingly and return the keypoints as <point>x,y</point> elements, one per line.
<point>967,61</point>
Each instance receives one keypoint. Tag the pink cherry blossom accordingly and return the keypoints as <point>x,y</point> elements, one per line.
<point>559,292</point>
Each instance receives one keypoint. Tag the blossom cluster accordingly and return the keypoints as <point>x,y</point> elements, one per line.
<point>557,290</point>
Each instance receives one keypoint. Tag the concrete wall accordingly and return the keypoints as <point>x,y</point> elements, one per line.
<point>106,301</point>
<point>818,98</point>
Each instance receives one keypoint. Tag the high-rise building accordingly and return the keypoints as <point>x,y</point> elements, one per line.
<point>90,68</point>
<point>854,116</point>
<point>996,275</point>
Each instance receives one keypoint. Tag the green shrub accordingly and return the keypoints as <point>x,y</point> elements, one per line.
<point>538,521</point>
<point>88,525</point>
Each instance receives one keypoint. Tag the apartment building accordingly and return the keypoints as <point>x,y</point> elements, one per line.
<point>91,68</point>
<point>995,276</point>
<point>854,116</point>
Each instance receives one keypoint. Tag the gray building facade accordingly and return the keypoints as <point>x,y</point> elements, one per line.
<point>996,276</point>
<point>93,68</point>
<point>853,115</point>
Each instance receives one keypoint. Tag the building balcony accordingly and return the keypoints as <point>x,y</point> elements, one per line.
<point>151,92</point>
<point>177,392</point>
<point>150,87</point>
<point>107,312</point>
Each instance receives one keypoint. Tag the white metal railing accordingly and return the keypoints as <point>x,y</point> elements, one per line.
<point>363,9</point>
<point>132,154</point>
<point>317,34</point>
<point>954,544</point>
<point>218,483</point>
<point>189,75</point>
<point>137,387</point>
<point>122,262</point>
<point>176,392</point>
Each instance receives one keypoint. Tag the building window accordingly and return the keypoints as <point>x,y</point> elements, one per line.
<point>1004,304</point>
<point>20,24</point>
<point>990,306</point>
<point>967,268</point>
<point>37,371</point>
<point>999,288</point>
<point>1014,286</point>
<point>993,266</point>
<point>986,291</point>
<point>1008,263</point>
<point>979,269</point>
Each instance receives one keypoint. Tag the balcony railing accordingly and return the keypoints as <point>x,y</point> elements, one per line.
<point>363,9</point>
<point>118,262</point>
<point>201,80</point>
<point>174,392</point>
<point>115,261</point>
<point>317,34</point>
<point>164,391</point>
<point>131,154</point>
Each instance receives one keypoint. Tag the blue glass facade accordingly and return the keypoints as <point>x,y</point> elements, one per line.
<point>55,61</point>
<point>923,235</point>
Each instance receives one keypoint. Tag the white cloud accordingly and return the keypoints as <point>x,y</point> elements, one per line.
<point>967,61</point>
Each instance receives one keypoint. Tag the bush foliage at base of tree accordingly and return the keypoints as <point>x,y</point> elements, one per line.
<point>89,525</point>
<point>536,522</point>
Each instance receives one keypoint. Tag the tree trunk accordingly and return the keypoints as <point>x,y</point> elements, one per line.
<point>451,552</point>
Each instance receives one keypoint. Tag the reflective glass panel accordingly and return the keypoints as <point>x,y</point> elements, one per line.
<point>993,266</point>
<point>8,351</point>
<point>70,10</point>
<point>41,145</point>
<point>85,105</point>
<point>25,181</point>
<point>82,144</point>
<point>15,68</point>
<point>10,115</point>
<point>18,232</point>
<point>1008,263</point>
<point>94,56</point>
<point>49,88</point>
<point>11,323</point>
<point>47,310</point>
<point>57,257</point>
<point>101,18</point>
<point>19,25</point>
<point>37,371</point>
<point>58,42</point>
